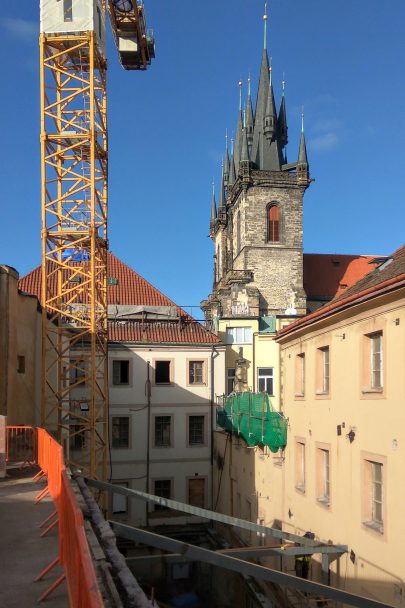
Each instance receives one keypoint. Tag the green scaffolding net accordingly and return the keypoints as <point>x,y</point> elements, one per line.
<point>251,416</point>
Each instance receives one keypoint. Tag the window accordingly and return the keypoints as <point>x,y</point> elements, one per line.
<point>20,364</point>
<point>376,362</point>
<point>230,380</point>
<point>120,372</point>
<point>373,492</point>
<point>323,370</point>
<point>196,372</point>
<point>162,372</point>
<point>300,466</point>
<point>300,375</point>
<point>323,475</point>
<point>196,492</point>
<point>265,380</point>
<point>120,432</point>
<point>67,10</point>
<point>163,488</point>
<point>273,224</point>
<point>238,335</point>
<point>163,431</point>
<point>77,372</point>
<point>119,501</point>
<point>196,435</point>
<point>78,437</point>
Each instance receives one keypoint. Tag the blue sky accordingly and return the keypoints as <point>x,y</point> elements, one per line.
<point>344,60</point>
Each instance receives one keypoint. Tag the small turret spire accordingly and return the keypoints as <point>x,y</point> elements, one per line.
<point>238,138</point>
<point>249,121</point>
<point>271,71</point>
<point>222,202</point>
<point>282,118</point>
<point>226,161</point>
<point>232,174</point>
<point>302,165</point>
<point>240,95</point>
<point>265,17</point>
<point>245,148</point>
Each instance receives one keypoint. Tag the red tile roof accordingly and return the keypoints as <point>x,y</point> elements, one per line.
<point>132,289</point>
<point>388,276</point>
<point>327,276</point>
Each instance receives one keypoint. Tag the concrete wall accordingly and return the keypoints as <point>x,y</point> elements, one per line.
<point>20,352</point>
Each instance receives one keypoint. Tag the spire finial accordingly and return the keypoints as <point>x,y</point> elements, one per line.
<point>283,84</point>
<point>213,187</point>
<point>244,117</point>
<point>231,145</point>
<point>271,72</point>
<point>226,139</point>
<point>249,85</point>
<point>265,17</point>
<point>302,119</point>
<point>240,95</point>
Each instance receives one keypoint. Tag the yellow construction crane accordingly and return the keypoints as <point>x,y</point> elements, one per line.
<point>74,180</point>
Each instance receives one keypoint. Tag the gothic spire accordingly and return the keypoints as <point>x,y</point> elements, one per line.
<point>244,156</point>
<point>249,117</point>
<point>261,100</point>
<point>232,175</point>
<point>282,119</point>
<point>270,117</point>
<point>222,202</point>
<point>238,138</point>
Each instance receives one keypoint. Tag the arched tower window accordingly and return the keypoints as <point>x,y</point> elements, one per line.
<point>273,224</point>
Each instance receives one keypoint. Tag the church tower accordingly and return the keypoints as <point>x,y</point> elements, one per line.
<point>257,226</point>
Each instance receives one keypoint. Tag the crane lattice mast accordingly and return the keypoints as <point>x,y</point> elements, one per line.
<point>74,171</point>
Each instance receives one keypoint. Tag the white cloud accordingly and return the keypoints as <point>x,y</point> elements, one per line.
<point>20,28</point>
<point>324,142</point>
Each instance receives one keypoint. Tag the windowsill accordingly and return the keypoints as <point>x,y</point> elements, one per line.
<point>322,394</point>
<point>197,384</point>
<point>324,501</point>
<point>122,384</point>
<point>374,525</point>
<point>163,383</point>
<point>162,447</point>
<point>300,489</point>
<point>299,396</point>
<point>377,391</point>
<point>197,445</point>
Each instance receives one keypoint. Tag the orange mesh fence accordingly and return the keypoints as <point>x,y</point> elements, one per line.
<point>21,444</point>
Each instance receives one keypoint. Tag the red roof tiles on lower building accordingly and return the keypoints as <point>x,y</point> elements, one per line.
<point>131,289</point>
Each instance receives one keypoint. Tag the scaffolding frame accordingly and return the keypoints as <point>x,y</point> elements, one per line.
<point>74,246</point>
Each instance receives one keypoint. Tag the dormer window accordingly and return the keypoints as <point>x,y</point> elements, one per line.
<point>273,224</point>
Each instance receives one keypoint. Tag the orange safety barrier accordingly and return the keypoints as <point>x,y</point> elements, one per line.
<point>74,553</point>
<point>21,445</point>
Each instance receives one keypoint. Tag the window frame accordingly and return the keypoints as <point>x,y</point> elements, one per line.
<point>273,226</point>
<point>229,378</point>
<point>159,446</point>
<point>300,464</point>
<point>258,369</point>
<point>233,329</point>
<point>204,442</point>
<point>116,360</point>
<point>300,369</point>
<point>323,367</point>
<point>67,11</point>
<point>323,474</point>
<point>160,508</point>
<point>171,370</point>
<point>128,443</point>
<point>369,520</point>
<point>204,379</point>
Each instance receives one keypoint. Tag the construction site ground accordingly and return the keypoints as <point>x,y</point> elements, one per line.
<point>23,553</point>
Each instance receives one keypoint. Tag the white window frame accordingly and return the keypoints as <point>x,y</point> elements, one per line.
<point>265,377</point>
<point>376,361</point>
<point>168,445</point>
<point>239,335</point>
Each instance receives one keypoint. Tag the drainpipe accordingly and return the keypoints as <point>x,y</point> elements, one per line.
<point>148,392</point>
<point>255,333</point>
<point>214,354</point>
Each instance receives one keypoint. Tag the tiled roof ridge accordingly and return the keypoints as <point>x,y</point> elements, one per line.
<point>347,255</point>
<point>343,302</point>
<point>148,283</point>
